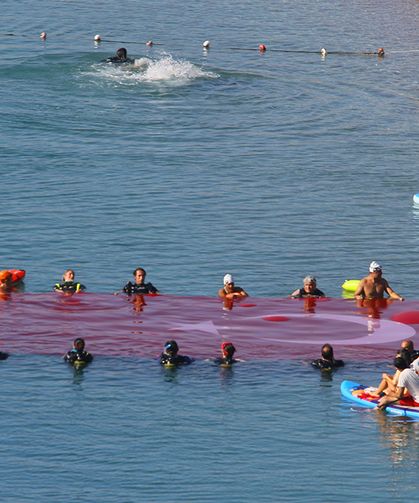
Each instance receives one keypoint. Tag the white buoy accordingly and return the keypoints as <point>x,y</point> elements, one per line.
<point>206,44</point>
<point>416,199</point>
<point>98,38</point>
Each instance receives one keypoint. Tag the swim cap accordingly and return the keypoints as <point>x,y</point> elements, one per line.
<point>228,278</point>
<point>171,346</point>
<point>415,365</point>
<point>5,275</point>
<point>228,348</point>
<point>375,266</point>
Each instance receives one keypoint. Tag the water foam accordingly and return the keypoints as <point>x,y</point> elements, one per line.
<point>166,69</point>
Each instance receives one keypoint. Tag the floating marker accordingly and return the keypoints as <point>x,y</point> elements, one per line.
<point>206,44</point>
<point>416,199</point>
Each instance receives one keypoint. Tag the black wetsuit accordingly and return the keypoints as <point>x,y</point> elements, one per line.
<point>145,288</point>
<point>315,293</point>
<point>224,361</point>
<point>4,356</point>
<point>166,359</point>
<point>78,356</point>
<point>323,364</point>
<point>69,286</point>
<point>119,61</point>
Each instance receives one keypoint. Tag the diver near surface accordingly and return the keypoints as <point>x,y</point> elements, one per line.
<point>78,354</point>
<point>139,286</point>
<point>309,289</point>
<point>121,57</point>
<point>407,350</point>
<point>170,356</point>
<point>3,355</point>
<point>327,361</point>
<point>227,353</point>
<point>374,285</point>
<point>68,285</point>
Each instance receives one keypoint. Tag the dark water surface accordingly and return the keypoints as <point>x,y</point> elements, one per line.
<point>269,166</point>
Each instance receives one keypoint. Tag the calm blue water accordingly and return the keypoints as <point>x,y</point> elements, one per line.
<point>266,166</point>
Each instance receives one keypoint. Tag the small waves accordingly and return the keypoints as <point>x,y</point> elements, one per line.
<point>166,69</point>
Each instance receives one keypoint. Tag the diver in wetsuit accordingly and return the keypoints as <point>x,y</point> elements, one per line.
<point>68,285</point>
<point>139,286</point>
<point>170,356</point>
<point>78,354</point>
<point>3,356</point>
<point>227,352</point>
<point>120,57</point>
<point>407,351</point>
<point>327,361</point>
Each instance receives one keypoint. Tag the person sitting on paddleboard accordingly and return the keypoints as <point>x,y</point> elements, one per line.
<point>139,286</point>
<point>227,353</point>
<point>170,356</point>
<point>309,289</point>
<point>408,382</point>
<point>78,353</point>
<point>6,281</point>
<point>374,286</point>
<point>120,57</point>
<point>68,285</point>
<point>230,290</point>
<point>388,384</point>
<point>327,361</point>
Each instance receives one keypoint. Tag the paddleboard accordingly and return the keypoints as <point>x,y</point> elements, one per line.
<point>349,390</point>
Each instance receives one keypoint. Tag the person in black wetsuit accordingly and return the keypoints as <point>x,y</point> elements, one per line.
<point>170,356</point>
<point>120,57</point>
<point>78,353</point>
<point>327,361</point>
<point>3,356</point>
<point>408,351</point>
<point>68,285</point>
<point>309,289</point>
<point>139,286</point>
<point>227,353</point>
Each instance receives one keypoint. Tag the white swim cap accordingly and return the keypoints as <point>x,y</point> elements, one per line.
<point>228,278</point>
<point>375,266</point>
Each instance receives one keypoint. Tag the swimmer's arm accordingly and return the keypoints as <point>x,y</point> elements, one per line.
<point>396,377</point>
<point>359,292</point>
<point>392,294</point>
<point>241,293</point>
<point>391,398</point>
<point>296,293</point>
<point>222,294</point>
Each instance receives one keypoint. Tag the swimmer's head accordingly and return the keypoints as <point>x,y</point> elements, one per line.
<point>139,274</point>
<point>79,344</point>
<point>327,352</point>
<point>227,349</point>
<point>380,52</point>
<point>375,267</point>
<point>400,363</point>
<point>5,280</point>
<point>171,348</point>
<point>69,275</point>
<point>121,53</point>
<point>309,283</point>
<point>228,279</point>
<point>407,344</point>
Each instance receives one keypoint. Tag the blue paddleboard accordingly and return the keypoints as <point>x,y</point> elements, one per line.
<point>347,389</point>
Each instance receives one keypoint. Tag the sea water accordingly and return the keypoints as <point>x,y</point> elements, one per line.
<point>268,166</point>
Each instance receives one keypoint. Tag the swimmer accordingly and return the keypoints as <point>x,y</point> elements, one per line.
<point>227,353</point>
<point>120,57</point>
<point>309,289</point>
<point>139,286</point>
<point>408,351</point>
<point>68,285</point>
<point>327,362</point>
<point>3,355</point>
<point>374,286</point>
<point>5,281</point>
<point>170,356</point>
<point>78,355</point>
<point>230,291</point>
